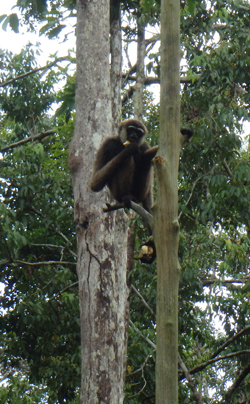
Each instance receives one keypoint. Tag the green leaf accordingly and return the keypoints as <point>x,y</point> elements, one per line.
<point>147,5</point>
<point>191,6</point>
<point>2,17</point>
<point>13,21</point>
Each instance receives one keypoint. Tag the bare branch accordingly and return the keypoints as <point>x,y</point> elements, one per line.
<point>245,8</point>
<point>142,366</point>
<point>229,172</point>
<point>209,282</point>
<point>39,136</point>
<point>236,384</point>
<point>152,40</point>
<point>55,246</point>
<point>143,300</point>
<point>143,213</point>
<point>5,262</point>
<point>151,343</point>
<point>36,264</point>
<point>60,59</point>
<point>203,365</point>
<point>137,208</point>
<point>197,396</point>
<point>192,192</point>
<point>230,340</point>
<point>193,187</point>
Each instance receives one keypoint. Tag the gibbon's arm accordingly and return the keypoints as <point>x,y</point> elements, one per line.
<point>103,172</point>
<point>150,153</point>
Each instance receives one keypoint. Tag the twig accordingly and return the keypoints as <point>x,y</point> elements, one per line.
<point>128,94</point>
<point>191,192</point>
<point>208,282</point>
<point>194,185</point>
<point>229,172</point>
<point>35,264</point>
<point>143,300</point>
<point>62,291</point>
<point>52,226</point>
<point>54,246</point>
<point>142,366</point>
<point>151,343</point>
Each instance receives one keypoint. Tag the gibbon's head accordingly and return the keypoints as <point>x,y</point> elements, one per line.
<point>132,130</point>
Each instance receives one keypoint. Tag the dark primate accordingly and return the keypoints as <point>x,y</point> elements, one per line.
<point>123,163</point>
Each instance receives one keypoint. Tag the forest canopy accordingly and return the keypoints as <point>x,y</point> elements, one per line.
<point>40,334</point>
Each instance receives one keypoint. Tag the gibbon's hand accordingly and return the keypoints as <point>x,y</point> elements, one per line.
<point>132,149</point>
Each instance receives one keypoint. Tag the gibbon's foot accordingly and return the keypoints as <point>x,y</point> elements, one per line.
<point>147,252</point>
<point>110,207</point>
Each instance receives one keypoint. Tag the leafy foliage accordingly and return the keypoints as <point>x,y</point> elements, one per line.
<point>39,323</point>
<point>40,319</point>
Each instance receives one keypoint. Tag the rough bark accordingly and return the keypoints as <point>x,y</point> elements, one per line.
<point>140,76</point>
<point>101,238</point>
<point>116,60</point>
<point>166,209</point>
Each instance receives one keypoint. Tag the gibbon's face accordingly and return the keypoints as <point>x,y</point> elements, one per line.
<point>132,130</point>
<point>135,134</point>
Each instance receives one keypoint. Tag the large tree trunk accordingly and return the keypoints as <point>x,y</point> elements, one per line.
<point>140,76</point>
<point>101,238</point>
<point>116,60</point>
<point>166,209</point>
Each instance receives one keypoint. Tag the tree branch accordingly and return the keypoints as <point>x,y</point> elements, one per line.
<point>209,282</point>
<point>151,343</point>
<point>54,246</point>
<point>62,291</point>
<point>36,264</point>
<point>39,136</point>
<point>191,192</point>
<point>60,59</point>
<point>236,384</point>
<point>194,185</point>
<point>52,226</point>
<point>245,8</point>
<point>230,340</point>
<point>226,166</point>
<point>197,396</point>
<point>203,365</point>
<point>137,208</point>
<point>143,301</point>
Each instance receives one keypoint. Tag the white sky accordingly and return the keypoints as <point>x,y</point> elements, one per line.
<point>15,42</point>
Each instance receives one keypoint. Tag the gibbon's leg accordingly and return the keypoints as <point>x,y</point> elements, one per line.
<point>150,153</point>
<point>102,174</point>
